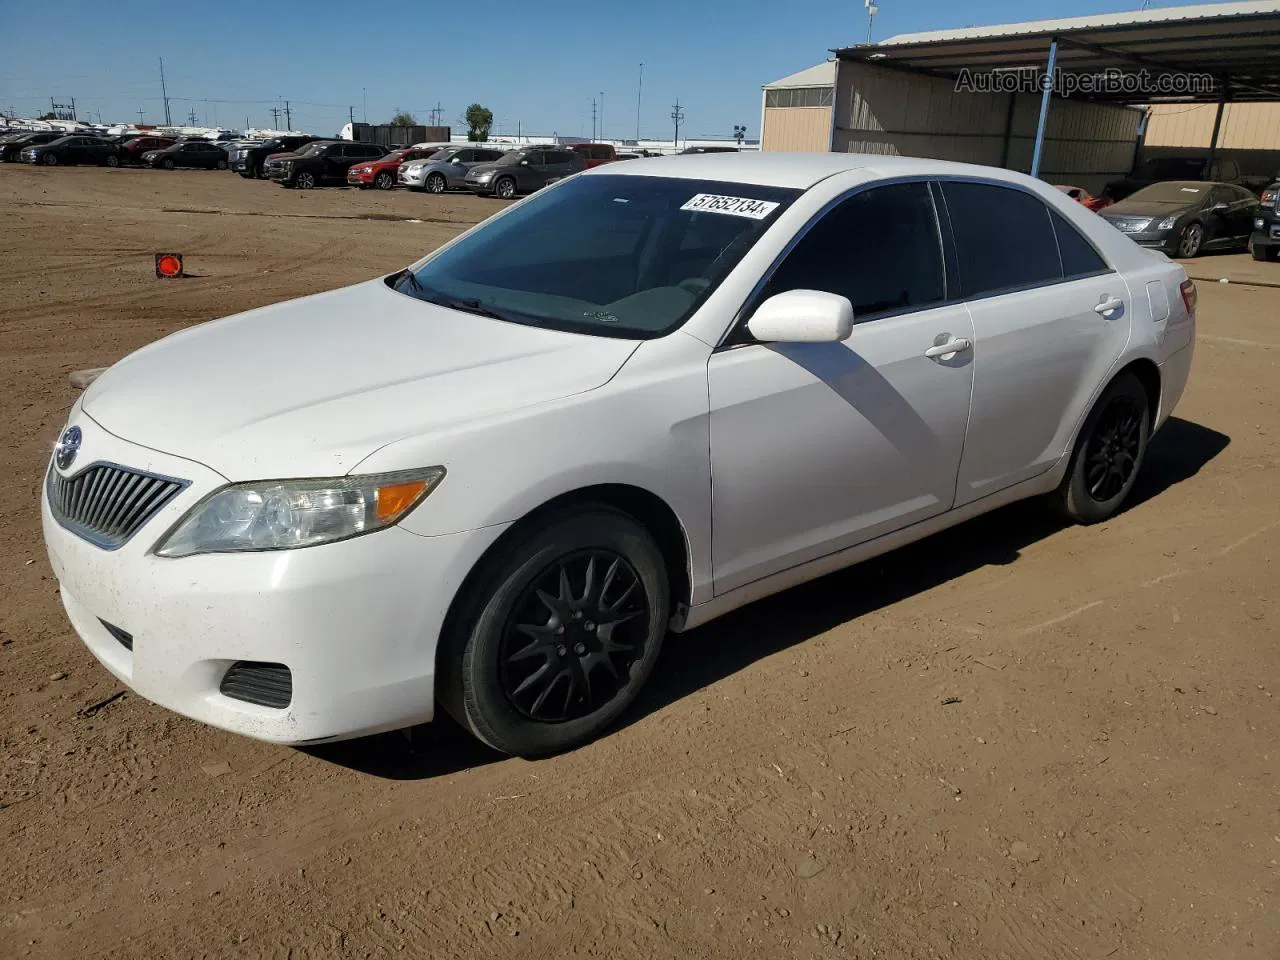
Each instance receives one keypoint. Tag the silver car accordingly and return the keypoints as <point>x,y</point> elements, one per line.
<point>445,170</point>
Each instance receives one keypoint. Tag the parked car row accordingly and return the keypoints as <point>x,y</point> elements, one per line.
<point>51,149</point>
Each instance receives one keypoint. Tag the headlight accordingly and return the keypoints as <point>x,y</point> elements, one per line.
<point>482,177</point>
<point>1167,223</point>
<point>1259,224</point>
<point>287,514</point>
<point>365,170</point>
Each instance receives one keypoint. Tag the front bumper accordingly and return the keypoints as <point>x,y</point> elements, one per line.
<point>475,186</point>
<point>356,622</point>
<point>1268,236</point>
<point>1166,240</point>
<point>415,178</point>
<point>360,179</point>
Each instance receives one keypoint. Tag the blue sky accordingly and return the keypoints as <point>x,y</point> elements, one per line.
<point>537,64</point>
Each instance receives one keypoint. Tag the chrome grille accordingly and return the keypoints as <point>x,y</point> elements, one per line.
<point>107,504</point>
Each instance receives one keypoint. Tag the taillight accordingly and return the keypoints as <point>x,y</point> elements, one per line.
<point>1188,289</point>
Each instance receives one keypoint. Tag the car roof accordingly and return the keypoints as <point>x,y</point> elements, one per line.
<point>797,170</point>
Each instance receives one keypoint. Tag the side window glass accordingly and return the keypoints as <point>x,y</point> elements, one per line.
<point>1004,239</point>
<point>1079,259</point>
<point>879,248</point>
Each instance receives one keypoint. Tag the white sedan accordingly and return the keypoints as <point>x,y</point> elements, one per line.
<point>655,392</point>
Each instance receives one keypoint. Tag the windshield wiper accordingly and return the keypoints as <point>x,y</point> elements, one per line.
<point>407,278</point>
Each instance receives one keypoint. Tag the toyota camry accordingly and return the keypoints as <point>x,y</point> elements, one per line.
<point>495,481</point>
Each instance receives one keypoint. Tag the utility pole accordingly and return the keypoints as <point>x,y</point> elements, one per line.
<point>593,118</point>
<point>639,91</point>
<point>275,118</point>
<point>872,10</point>
<point>677,115</point>
<point>168,120</point>
<point>351,115</point>
<point>141,118</point>
<point>364,93</point>
<point>601,114</point>
<point>288,117</point>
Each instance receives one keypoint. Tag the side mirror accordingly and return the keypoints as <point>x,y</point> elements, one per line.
<point>524,163</point>
<point>803,316</point>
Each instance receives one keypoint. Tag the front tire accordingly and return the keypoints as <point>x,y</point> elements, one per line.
<point>504,189</point>
<point>1190,240</point>
<point>49,160</point>
<point>167,163</point>
<point>113,161</point>
<point>436,183</point>
<point>1109,453</point>
<point>304,181</point>
<point>384,181</point>
<point>221,164</point>
<point>557,634</point>
<point>1262,253</point>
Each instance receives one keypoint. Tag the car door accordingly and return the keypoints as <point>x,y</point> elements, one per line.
<point>1244,207</point>
<point>1050,318</point>
<point>816,447</point>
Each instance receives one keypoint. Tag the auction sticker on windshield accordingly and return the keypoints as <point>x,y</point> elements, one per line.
<point>733,206</point>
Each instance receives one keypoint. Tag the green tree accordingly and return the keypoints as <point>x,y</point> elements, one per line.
<point>403,119</point>
<point>478,119</point>
<point>49,116</point>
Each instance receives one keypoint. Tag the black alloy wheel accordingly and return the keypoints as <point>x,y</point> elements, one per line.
<point>1111,455</point>
<point>556,631</point>
<point>1108,453</point>
<point>573,636</point>
<point>384,181</point>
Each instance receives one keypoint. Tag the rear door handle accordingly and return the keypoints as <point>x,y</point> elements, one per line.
<point>1109,305</point>
<point>952,346</point>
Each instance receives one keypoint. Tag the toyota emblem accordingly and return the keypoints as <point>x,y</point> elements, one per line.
<point>64,454</point>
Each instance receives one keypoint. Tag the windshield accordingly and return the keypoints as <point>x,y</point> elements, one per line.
<point>310,148</point>
<point>606,255</point>
<point>445,155</point>
<point>512,156</point>
<point>1172,191</point>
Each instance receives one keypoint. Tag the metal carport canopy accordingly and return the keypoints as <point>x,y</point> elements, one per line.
<point>1236,44</point>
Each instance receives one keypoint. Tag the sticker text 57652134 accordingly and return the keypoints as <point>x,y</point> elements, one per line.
<point>733,206</point>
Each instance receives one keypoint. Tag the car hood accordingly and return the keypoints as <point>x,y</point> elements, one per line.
<point>1148,208</point>
<point>311,387</point>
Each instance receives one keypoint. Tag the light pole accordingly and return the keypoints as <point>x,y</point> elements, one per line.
<point>602,115</point>
<point>677,115</point>
<point>639,91</point>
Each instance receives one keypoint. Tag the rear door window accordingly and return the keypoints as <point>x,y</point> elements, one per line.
<point>1004,238</point>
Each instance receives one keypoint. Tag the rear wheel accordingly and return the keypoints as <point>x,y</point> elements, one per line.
<point>221,164</point>
<point>436,183</point>
<point>384,181</point>
<point>260,172</point>
<point>559,631</point>
<point>1108,454</point>
<point>1191,239</point>
<point>504,189</point>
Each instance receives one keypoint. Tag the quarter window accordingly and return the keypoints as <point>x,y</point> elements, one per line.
<point>879,248</point>
<point>1079,259</point>
<point>1004,238</point>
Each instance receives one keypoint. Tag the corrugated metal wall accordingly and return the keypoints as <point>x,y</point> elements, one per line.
<point>884,111</point>
<point>797,129</point>
<point>1250,133</point>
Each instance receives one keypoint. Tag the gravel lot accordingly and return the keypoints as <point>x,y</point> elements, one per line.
<point>1016,740</point>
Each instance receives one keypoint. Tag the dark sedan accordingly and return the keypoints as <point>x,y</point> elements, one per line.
<point>188,153</point>
<point>74,149</point>
<point>1186,217</point>
<point>14,144</point>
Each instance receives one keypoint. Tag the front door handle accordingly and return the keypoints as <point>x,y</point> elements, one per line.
<point>1109,305</point>
<point>952,346</point>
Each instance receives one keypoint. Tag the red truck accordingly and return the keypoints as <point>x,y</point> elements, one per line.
<point>595,153</point>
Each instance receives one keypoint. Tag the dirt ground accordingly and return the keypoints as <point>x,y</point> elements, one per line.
<point>1014,740</point>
